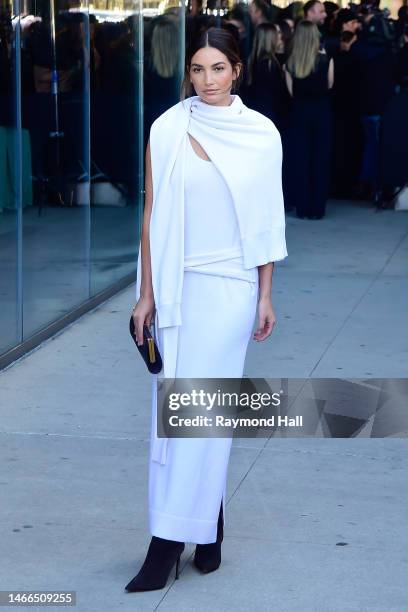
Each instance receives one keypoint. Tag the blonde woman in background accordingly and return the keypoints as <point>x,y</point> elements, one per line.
<point>309,77</point>
<point>161,70</point>
<point>266,90</point>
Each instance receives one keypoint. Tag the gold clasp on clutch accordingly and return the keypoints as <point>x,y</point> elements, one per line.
<point>152,354</point>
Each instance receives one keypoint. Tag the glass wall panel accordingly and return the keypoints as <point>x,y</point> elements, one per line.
<point>10,158</point>
<point>79,89</point>
<point>116,132</point>
<point>55,166</point>
<point>137,75</point>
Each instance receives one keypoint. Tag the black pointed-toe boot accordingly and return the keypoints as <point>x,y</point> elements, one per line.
<point>160,559</point>
<point>207,557</point>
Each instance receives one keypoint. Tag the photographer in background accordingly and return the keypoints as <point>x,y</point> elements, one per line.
<point>346,21</point>
<point>375,53</point>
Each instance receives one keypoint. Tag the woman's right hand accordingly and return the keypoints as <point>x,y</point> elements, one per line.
<point>143,315</point>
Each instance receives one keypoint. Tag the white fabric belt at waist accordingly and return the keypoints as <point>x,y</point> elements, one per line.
<point>227,263</point>
<point>220,255</point>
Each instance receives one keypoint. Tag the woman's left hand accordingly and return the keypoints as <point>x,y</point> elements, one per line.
<point>266,319</point>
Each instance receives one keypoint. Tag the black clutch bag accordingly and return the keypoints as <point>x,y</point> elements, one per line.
<point>148,349</point>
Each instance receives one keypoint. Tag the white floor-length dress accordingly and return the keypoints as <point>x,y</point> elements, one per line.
<point>219,304</point>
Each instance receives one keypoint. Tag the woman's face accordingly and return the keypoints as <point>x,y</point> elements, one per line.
<point>211,74</point>
<point>279,40</point>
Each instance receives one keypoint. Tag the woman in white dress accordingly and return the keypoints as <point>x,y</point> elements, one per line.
<point>213,226</point>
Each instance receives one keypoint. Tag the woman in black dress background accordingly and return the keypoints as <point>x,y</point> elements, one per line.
<point>309,77</point>
<point>265,87</point>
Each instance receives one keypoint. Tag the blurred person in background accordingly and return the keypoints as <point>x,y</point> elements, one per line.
<point>402,59</point>
<point>402,19</point>
<point>287,15</point>
<point>297,10</point>
<point>346,21</point>
<point>240,18</point>
<point>196,7</point>
<point>374,52</point>
<point>95,57</point>
<point>6,34</point>
<point>115,42</point>
<point>196,20</point>
<point>332,10</point>
<point>227,25</point>
<point>309,76</point>
<point>67,55</point>
<point>315,12</point>
<point>287,28</point>
<point>161,87</point>
<point>259,12</point>
<point>347,129</point>
<point>266,90</point>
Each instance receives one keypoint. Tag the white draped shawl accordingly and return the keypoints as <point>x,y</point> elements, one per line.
<point>246,148</point>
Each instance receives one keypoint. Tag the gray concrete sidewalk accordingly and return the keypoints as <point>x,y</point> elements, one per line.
<point>75,418</point>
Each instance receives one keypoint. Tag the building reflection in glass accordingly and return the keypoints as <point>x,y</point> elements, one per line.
<point>74,123</point>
